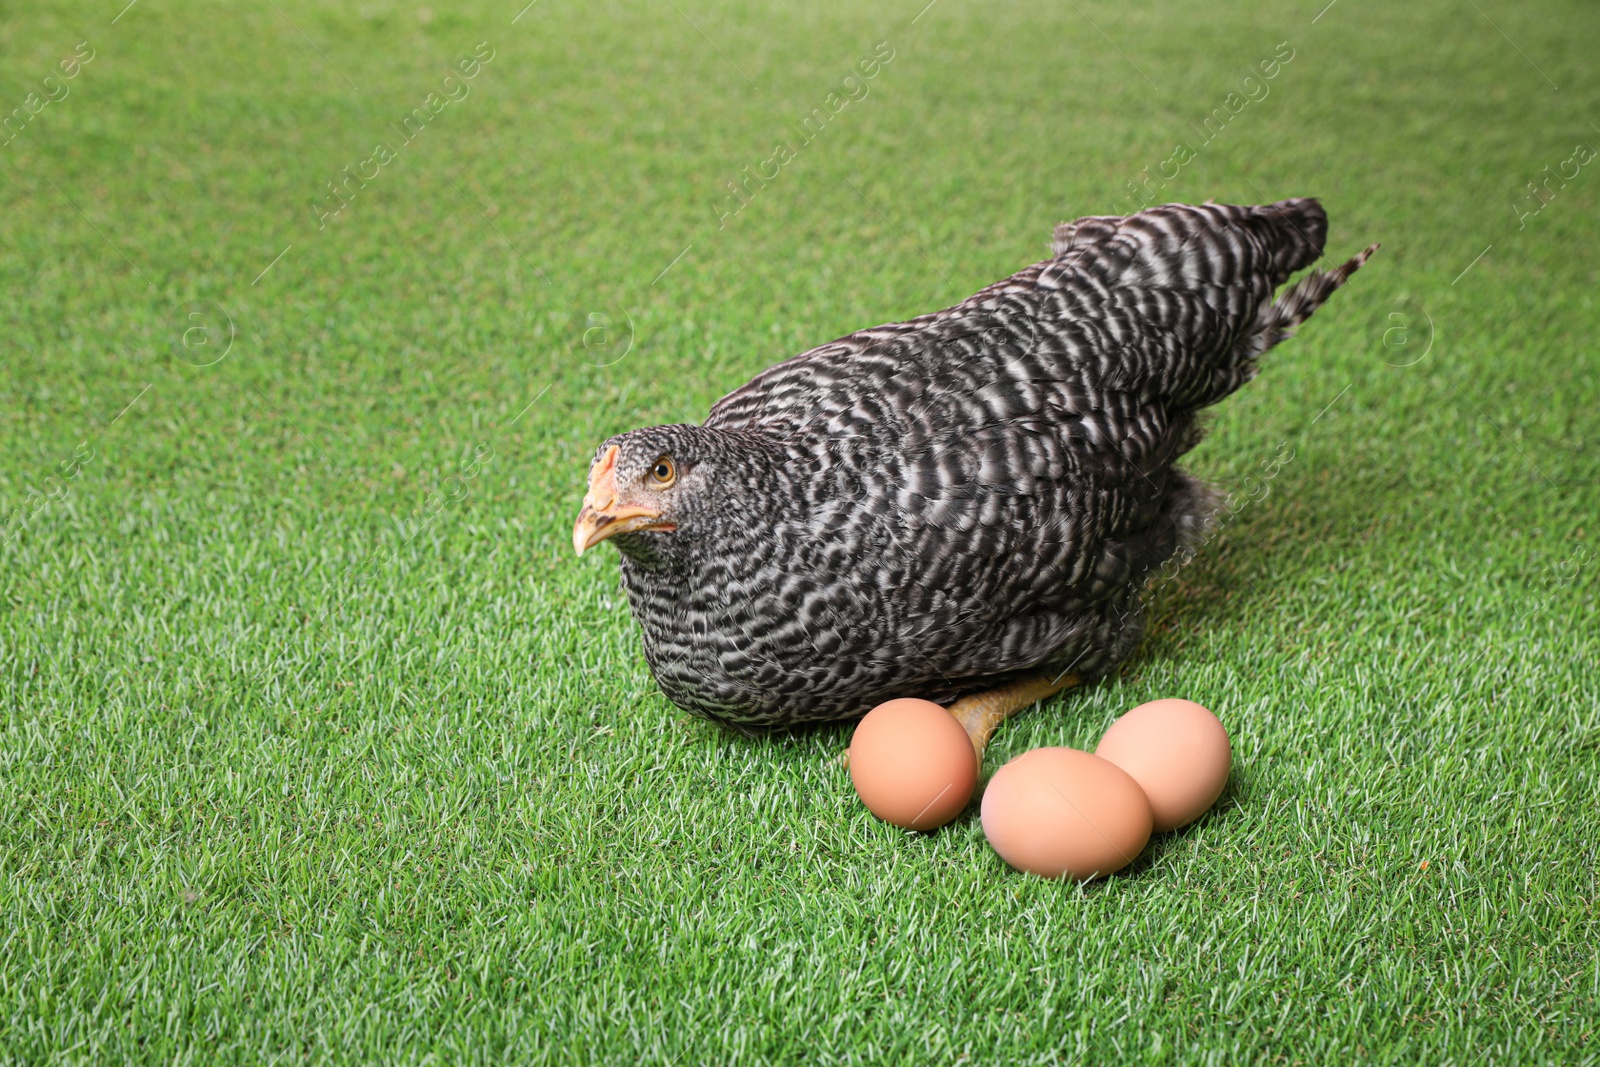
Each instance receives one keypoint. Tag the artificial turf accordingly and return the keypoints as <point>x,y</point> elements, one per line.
<point>320,746</point>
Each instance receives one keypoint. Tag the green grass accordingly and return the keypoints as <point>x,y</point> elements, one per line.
<point>320,746</point>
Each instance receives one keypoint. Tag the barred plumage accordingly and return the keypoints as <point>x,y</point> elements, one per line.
<point>933,507</point>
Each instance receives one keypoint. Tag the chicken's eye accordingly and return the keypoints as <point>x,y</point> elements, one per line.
<point>662,472</point>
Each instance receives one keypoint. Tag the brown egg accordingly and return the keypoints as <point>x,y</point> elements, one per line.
<point>1059,812</point>
<point>1178,753</point>
<point>912,764</point>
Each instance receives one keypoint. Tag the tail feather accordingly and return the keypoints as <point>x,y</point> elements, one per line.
<point>1278,320</point>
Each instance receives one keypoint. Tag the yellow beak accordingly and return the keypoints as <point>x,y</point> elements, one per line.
<point>601,517</point>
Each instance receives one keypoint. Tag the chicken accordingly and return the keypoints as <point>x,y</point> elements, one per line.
<point>962,507</point>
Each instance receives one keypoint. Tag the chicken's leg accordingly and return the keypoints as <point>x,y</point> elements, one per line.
<point>982,713</point>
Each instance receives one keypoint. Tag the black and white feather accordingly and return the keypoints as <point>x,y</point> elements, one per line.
<point>935,507</point>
